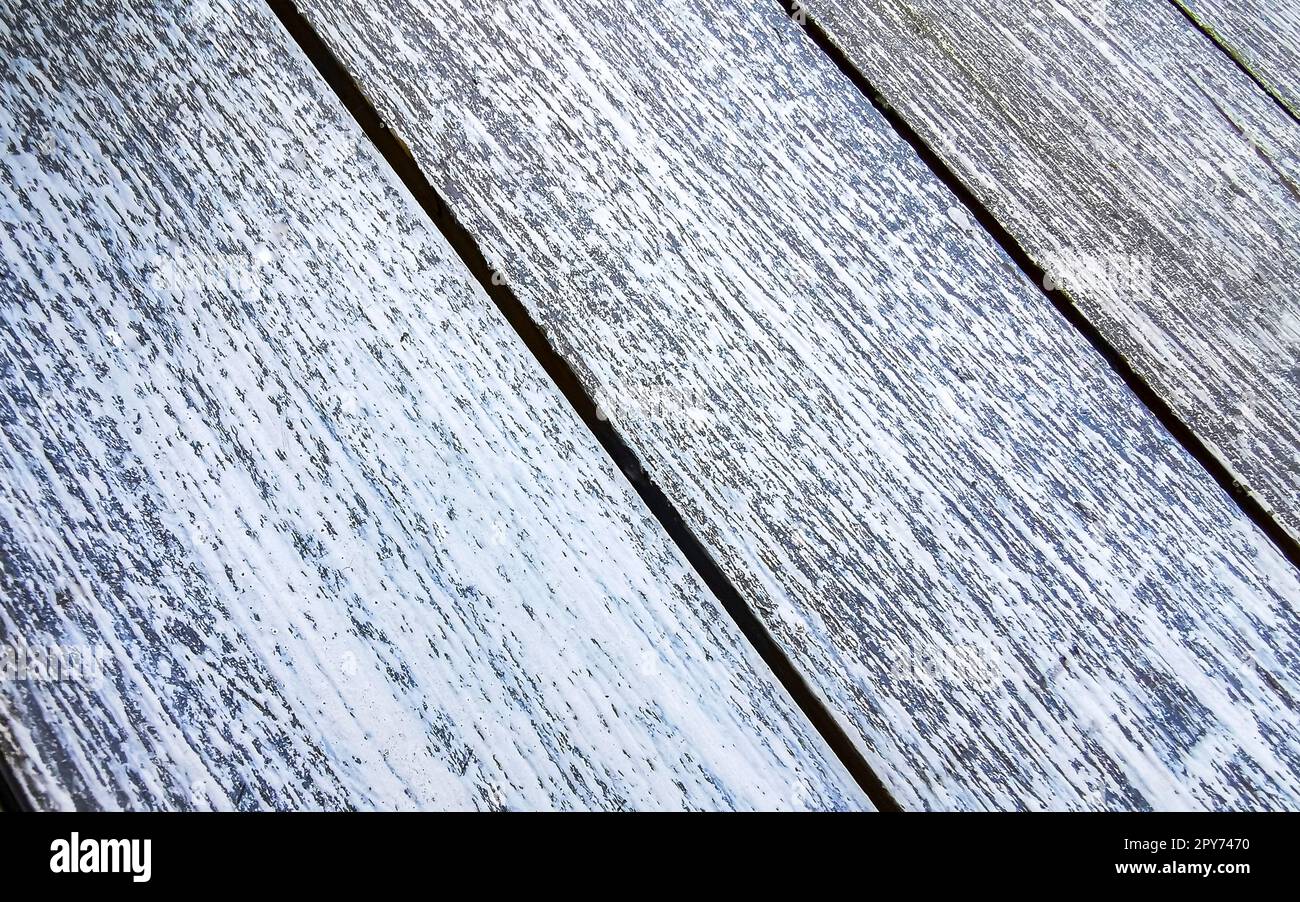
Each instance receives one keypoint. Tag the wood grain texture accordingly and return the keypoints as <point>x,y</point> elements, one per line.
<point>1263,34</point>
<point>1151,178</point>
<point>1011,585</point>
<point>267,448</point>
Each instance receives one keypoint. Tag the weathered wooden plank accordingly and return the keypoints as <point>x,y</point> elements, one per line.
<point>1008,581</point>
<point>268,449</point>
<point>1263,35</point>
<point>1152,179</point>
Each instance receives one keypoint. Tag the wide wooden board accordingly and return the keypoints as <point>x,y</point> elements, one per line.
<point>306,523</point>
<point>1012,586</point>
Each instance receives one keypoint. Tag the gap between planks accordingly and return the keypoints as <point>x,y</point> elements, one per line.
<point>395,152</point>
<point>1250,504</point>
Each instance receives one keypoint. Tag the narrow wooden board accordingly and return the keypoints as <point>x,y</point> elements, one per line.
<point>1264,35</point>
<point>992,562</point>
<point>319,530</point>
<point>1153,180</point>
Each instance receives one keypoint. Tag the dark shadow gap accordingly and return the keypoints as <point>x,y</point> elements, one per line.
<point>566,380</point>
<point>1181,432</point>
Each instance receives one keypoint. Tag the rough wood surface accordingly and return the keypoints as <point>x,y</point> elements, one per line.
<point>1154,181</point>
<point>1263,34</point>
<point>267,449</point>
<point>987,556</point>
